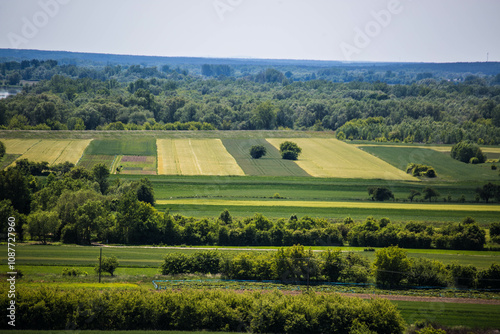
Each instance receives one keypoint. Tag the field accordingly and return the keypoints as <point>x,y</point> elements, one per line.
<point>333,158</point>
<point>90,160</point>
<point>51,151</point>
<point>122,146</point>
<point>195,157</point>
<point>446,168</point>
<point>269,165</point>
<point>136,164</point>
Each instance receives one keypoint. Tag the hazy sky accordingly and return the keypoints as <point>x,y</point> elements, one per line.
<point>357,30</point>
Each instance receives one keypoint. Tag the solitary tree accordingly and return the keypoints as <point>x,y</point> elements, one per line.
<point>108,264</point>
<point>289,150</point>
<point>391,265</point>
<point>413,193</point>
<point>488,191</point>
<point>380,194</point>
<point>430,193</point>
<point>466,152</point>
<point>258,151</point>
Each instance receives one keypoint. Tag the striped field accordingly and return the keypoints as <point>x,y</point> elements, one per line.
<point>333,158</point>
<point>325,204</point>
<point>51,151</point>
<point>195,157</point>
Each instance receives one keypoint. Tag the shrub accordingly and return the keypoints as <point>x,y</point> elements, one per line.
<point>493,167</point>
<point>425,272</point>
<point>258,151</point>
<point>474,161</point>
<point>73,272</point>
<point>420,170</point>
<point>2,150</point>
<point>290,150</point>
<point>380,193</point>
<point>489,278</point>
<point>465,151</point>
<point>430,330</point>
<point>463,276</point>
<point>175,263</point>
<point>494,229</point>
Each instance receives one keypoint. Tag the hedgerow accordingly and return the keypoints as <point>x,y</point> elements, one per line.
<point>84,309</point>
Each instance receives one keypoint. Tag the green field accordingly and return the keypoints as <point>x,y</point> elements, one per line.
<point>137,146</point>
<point>90,160</point>
<point>270,165</point>
<point>447,168</point>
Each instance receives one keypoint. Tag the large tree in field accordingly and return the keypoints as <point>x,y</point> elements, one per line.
<point>465,151</point>
<point>290,150</point>
<point>258,151</point>
<point>430,193</point>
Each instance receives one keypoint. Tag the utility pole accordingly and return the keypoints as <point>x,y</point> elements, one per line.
<point>100,257</point>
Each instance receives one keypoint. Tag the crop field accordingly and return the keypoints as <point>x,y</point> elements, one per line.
<point>51,151</point>
<point>122,146</point>
<point>269,165</point>
<point>333,158</point>
<point>195,157</point>
<point>89,160</point>
<point>446,167</point>
<point>137,164</point>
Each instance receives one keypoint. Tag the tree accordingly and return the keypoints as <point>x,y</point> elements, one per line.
<point>258,151</point>
<point>487,191</point>
<point>2,150</point>
<point>42,224</point>
<point>413,193</point>
<point>14,187</point>
<point>108,264</point>
<point>265,116</point>
<point>391,265</point>
<point>430,193</point>
<point>465,151</point>
<point>380,194</point>
<point>289,150</point>
<point>100,174</point>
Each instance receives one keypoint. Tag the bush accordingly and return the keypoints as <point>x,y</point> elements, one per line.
<point>489,278</point>
<point>73,272</point>
<point>420,170</point>
<point>425,272</point>
<point>463,276</point>
<point>290,150</point>
<point>380,193</point>
<point>465,151</point>
<point>289,155</point>
<point>176,263</point>
<point>2,150</point>
<point>474,161</point>
<point>258,151</point>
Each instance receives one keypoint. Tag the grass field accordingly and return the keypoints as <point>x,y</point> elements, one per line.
<point>446,168</point>
<point>88,161</point>
<point>195,157</point>
<point>122,146</point>
<point>333,158</point>
<point>269,165</point>
<point>136,164</point>
<point>451,314</point>
<point>51,151</point>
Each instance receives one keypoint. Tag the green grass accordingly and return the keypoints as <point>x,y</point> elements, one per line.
<point>137,146</point>
<point>271,164</point>
<point>446,168</point>
<point>7,159</point>
<point>88,161</point>
<point>451,314</point>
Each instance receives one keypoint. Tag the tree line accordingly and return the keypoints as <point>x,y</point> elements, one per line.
<point>132,98</point>
<point>392,267</point>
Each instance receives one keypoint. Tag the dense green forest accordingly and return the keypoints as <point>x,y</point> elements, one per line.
<point>359,103</point>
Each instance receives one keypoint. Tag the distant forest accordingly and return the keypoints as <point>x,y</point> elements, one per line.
<point>382,102</point>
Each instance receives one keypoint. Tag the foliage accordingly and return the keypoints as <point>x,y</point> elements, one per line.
<point>391,266</point>
<point>73,272</point>
<point>289,150</point>
<point>430,330</point>
<point>463,276</point>
<point>420,170</point>
<point>489,278</point>
<point>42,224</point>
<point>54,309</point>
<point>430,193</point>
<point>108,265</point>
<point>380,194</point>
<point>466,152</point>
<point>2,149</point>
<point>425,272</point>
<point>258,151</point>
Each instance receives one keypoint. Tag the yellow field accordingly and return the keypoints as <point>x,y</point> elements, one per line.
<point>52,151</point>
<point>485,149</point>
<point>19,146</point>
<point>323,204</point>
<point>333,158</point>
<point>195,157</point>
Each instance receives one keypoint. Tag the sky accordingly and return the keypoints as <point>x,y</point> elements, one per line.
<point>343,30</point>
